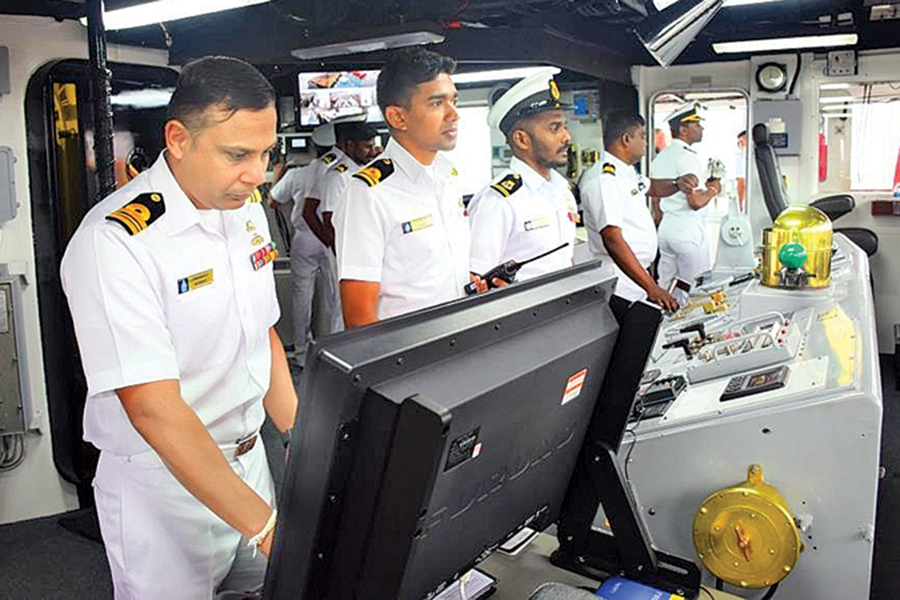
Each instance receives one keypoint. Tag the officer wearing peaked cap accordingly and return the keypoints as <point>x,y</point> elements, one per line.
<point>529,209</point>
<point>683,248</point>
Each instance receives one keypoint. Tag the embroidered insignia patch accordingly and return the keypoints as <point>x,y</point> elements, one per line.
<point>554,90</point>
<point>507,186</point>
<point>454,172</point>
<point>341,168</point>
<point>140,213</point>
<point>251,226</point>
<point>197,280</point>
<point>264,256</point>
<point>376,172</point>
<point>609,168</point>
<point>539,223</point>
<point>417,224</point>
<point>329,158</point>
<point>257,240</point>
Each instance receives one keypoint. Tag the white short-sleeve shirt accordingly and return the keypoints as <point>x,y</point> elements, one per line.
<point>519,216</point>
<point>293,186</point>
<point>405,229</point>
<point>675,160</point>
<point>334,182</point>
<point>188,296</point>
<point>614,194</point>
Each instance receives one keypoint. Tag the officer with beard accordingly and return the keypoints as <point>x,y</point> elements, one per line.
<point>529,209</point>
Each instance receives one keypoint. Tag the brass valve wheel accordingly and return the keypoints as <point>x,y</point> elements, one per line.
<point>745,535</point>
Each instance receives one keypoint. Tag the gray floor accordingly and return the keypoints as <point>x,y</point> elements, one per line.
<point>41,560</point>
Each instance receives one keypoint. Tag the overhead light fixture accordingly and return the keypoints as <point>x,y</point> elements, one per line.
<point>834,86</point>
<point>391,37</point>
<point>496,75</point>
<point>146,98</point>
<point>835,99</point>
<point>666,34</point>
<point>832,107</point>
<point>161,11</point>
<point>789,43</point>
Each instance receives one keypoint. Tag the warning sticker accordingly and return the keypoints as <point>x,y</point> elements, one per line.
<point>574,385</point>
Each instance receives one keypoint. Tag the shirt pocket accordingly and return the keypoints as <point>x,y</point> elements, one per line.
<point>203,319</point>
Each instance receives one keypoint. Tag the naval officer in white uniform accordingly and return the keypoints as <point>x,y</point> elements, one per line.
<point>170,285</point>
<point>683,247</point>
<point>528,209</point>
<point>402,234</point>
<point>617,219</point>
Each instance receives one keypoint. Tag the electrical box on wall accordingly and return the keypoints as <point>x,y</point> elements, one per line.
<point>784,119</point>
<point>841,62</point>
<point>15,400</point>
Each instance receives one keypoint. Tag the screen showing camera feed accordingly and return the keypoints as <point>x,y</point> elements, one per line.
<point>327,96</point>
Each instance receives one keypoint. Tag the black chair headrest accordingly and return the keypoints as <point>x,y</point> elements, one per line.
<point>760,133</point>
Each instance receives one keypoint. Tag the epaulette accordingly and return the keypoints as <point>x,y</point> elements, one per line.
<point>255,197</point>
<point>609,168</point>
<point>341,167</point>
<point>691,150</point>
<point>507,186</point>
<point>140,213</point>
<point>376,172</point>
<point>329,158</point>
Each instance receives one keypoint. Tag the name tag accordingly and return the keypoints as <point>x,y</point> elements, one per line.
<point>197,280</point>
<point>417,224</point>
<point>538,223</point>
<point>264,256</point>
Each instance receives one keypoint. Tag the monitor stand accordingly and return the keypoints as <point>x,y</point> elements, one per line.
<point>598,479</point>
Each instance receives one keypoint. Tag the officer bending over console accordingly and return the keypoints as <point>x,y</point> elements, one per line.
<point>402,235</point>
<point>614,198</point>
<point>528,209</point>
<point>171,288</point>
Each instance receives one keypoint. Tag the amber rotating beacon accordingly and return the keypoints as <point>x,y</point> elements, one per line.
<point>745,535</point>
<point>797,249</point>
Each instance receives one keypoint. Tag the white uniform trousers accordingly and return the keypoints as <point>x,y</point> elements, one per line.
<point>308,258</point>
<point>683,249</point>
<point>161,542</point>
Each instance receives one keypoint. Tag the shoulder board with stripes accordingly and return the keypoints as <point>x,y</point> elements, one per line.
<point>341,168</point>
<point>376,172</point>
<point>140,213</point>
<point>329,158</point>
<point>609,168</point>
<point>691,150</point>
<point>507,186</point>
<point>255,197</point>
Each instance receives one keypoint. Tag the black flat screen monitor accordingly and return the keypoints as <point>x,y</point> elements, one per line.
<point>424,441</point>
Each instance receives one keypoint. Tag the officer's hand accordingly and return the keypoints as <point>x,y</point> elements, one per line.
<point>480,284</point>
<point>687,183</point>
<point>657,295</point>
<point>714,184</point>
<point>266,546</point>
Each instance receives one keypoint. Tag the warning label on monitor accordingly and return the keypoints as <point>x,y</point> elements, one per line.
<point>574,385</point>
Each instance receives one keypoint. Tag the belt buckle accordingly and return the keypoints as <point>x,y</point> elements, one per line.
<point>245,446</point>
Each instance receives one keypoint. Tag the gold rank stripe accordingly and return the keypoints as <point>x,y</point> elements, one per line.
<point>131,224</point>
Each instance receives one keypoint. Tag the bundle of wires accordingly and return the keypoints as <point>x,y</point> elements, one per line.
<point>12,451</point>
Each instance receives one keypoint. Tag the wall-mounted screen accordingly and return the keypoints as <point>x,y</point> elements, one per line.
<point>326,96</point>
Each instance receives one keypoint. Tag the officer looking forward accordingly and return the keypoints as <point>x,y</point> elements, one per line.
<point>170,285</point>
<point>402,235</point>
<point>528,209</point>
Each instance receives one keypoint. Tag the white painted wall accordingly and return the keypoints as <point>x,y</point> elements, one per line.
<point>35,489</point>
<point>802,171</point>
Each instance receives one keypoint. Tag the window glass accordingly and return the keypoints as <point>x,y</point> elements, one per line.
<point>472,155</point>
<point>859,136</point>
